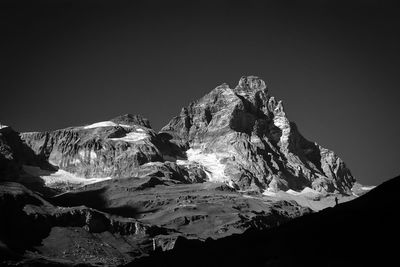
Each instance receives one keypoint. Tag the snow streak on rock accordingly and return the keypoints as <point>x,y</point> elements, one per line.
<point>105,124</point>
<point>132,137</point>
<point>210,163</point>
<point>61,176</point>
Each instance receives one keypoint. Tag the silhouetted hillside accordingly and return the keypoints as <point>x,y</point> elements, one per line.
<point>362,232</point>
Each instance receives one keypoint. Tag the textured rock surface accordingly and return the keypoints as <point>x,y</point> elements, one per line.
<point>116,221</point>
<point>14,153</point>
<point>114,148</point>
<point>67,235</point>
<point>199,210</point>
<point>357,233</point>
<point>247,133</point>
<point>240,136</point>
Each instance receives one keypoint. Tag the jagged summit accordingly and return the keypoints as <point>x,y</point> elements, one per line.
<point>251,82</point>
<point>240,136</point>
<point>252,142</point>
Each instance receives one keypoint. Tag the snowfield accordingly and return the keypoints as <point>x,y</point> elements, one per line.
<point>367,188</point>
<point>105,124</point>
<point>210,162</point>
<point>269,193</point>
<point>132,137</point>
<point>60,176</point>
<point>305,191</point>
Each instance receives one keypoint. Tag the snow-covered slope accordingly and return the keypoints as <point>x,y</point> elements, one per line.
<point>210,162</point>
<point>60,177</point>
<point>133,136</point>
<point>105,124</point>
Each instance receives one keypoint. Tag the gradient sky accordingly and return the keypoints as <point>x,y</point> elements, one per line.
<point>335,66</point>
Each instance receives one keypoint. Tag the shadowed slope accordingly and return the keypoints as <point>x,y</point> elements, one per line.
<point>357,233</point>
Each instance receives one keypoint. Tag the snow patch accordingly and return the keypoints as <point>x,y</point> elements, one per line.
<point>125,125</point>
<point>210,161</point>
<point>132,137</point>
<point>269,193</point>
<point>231,184</point>
<point>81,153</point>
<point>105,124</point>
<point>61,176</point>
<point>367,188</point>
<point>306,190</point>
<point>248,196</point>
<point>282,123</point>
<point>93,155</point>
<point>292,192</point>
<point>75,161</point>
<point>100,124</point>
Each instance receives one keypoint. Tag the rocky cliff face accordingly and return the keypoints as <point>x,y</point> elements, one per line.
<point>125,146</point>
<point>14,153</point>
<point>67,234</point>
<point>239,136</point>
<point>243,136</point>
<point>112,148</point>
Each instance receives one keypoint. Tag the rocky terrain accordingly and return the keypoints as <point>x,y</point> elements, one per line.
<point>118,221</point>
<point>42,232</point>
<point>112,192</point>
<point>239,136</point>
<point>362,232</point>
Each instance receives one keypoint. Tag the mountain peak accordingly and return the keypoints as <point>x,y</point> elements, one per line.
<point>251,83</point>
<point>243,136</point>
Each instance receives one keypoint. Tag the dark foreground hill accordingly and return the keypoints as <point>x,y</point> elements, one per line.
<point>121,220</point>
<point>362,232</point>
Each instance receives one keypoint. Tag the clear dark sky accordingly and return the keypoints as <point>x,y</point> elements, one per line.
<point>336,66</point>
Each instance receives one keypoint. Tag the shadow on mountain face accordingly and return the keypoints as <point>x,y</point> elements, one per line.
<point>362,232</point>
<point>14,154</point>
<point>17,229</point>
<point>123,211</point>
<point>93,199</point>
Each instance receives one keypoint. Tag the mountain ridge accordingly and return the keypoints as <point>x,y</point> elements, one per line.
<point>247,119</point>
<point>240,136</point>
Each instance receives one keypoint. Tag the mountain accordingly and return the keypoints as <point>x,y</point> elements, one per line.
<point>243,136</point>
<point>238,136</point>
<point>124,146</point>
<point>115,191</point>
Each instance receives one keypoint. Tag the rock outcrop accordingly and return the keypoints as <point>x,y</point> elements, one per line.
<point>243,136</point>
<point>114,148</point>
<point>70,235</point>
<point>369,220</point>
<point>14,153</point>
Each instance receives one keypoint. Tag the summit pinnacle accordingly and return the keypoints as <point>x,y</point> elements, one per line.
<point>253,143</point>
